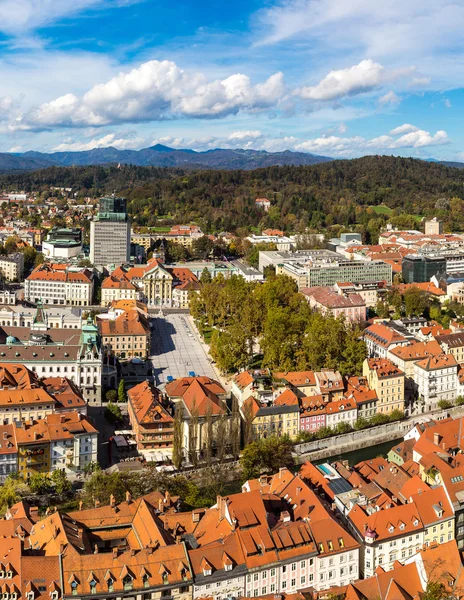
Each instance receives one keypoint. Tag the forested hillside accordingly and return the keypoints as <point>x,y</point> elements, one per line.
<point>339,193</point>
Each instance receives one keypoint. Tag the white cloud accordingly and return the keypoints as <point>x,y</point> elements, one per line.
<point>421,138</point>
<point>363,77</point>
<point>155,91</point>
<point>129,143</point>
<point>389,32</point>
<point>419,82</point>
<point>348,146</point>
<point>389,98</point>
<point>406,128</point>
<point>447,103</point>
<point>23,16</point>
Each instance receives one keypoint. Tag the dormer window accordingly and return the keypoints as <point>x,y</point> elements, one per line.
<point>2,574</point>
<point>30,596</point>
<point>145,581</point>
<point>74,588</point>
<point>391,529</point>
<point>228,567</point>
<point>402,526</point>
<point>110,583</point>
<point>165,578</point>
<point>54,595</point>
<point>128,583</point>
<point>416,522</point>
<point>207,571</point>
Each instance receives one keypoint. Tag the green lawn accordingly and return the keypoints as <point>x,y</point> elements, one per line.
<point>382,210</point>
<point>160,229</point>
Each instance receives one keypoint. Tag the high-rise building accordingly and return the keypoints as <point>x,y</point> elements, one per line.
<point>434,227</point>
<point>110,233</point>
<point>418,268</point>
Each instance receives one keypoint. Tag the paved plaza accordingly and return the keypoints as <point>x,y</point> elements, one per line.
<point>176,349</point>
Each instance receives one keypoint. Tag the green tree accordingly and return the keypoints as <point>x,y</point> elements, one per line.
<point>11,492</point>
<point>11,245</point>
<point>444,404</point>
<point>122,392</point>
<point>396,415</point>
<point>111,395</point>
<point>416,302</point>
<point>193,432</point>
<point>267,455</point>
<point>60,482</point>
<point>113,413</point>
<point>382,309</point>
<point>205,276</point>
<point>39,259</point>
<point>353,353</point>
<point>30,255</point>
<point>91,467</point>
<point>40,483</point>
<point>178,437</point>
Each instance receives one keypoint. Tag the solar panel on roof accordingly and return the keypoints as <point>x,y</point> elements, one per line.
<point>339,485</point>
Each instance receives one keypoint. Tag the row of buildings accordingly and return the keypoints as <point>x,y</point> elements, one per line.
<point>382,528</point>
<point>430,358</point>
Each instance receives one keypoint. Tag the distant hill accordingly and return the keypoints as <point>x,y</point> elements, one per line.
<point>159,156</point>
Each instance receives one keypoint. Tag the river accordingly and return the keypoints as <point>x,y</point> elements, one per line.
<point>356,456</point>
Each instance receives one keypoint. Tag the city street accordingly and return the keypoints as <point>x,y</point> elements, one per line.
<point>176,349</point>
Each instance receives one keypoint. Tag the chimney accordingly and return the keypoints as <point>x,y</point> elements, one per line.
<point>132,551</point>
<point>436,439</point>
<point>81,504</point>
<point>97,503</point>
<point>112,501</point>
<point>115,553</point>
<point>167,497</point>
<point>160,505</point>
<point>128,497</point>
<point>221,503</point>
<point>95,549</point>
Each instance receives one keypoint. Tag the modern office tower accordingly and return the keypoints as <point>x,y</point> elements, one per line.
<point>418,268</point>
<point>110,233</point>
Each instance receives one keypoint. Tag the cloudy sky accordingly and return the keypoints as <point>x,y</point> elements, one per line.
<point>339,78</point>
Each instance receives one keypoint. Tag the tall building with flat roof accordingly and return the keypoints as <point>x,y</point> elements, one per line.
<point>418,268</point>
<point>110,233</point>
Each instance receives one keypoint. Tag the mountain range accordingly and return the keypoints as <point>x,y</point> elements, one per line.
<point>158,156</point>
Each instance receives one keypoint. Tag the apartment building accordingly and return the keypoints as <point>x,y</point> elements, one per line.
<point>405,358</point>
<point>25,397</point>
<point>125,336</point>
<point>278,419</point>
<point>59,284</point>
<point>341,411</point>
<point>118,287</point>
<point>12,266</point>
<point>452,343</point>
<point>386,536</point>
<point>384,377</point>
<point>380,340</point>
<point>66,442</point>
<point>151,422</point>
<point>436,379</point>
<point>352,306</point>
<point>8,452</point>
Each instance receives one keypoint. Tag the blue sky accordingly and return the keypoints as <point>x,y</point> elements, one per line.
<point>340,78</point>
